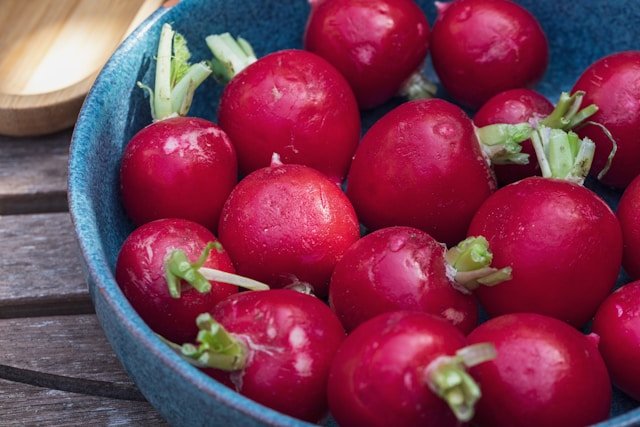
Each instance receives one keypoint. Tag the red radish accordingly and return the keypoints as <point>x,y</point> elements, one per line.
<point>177,167</point>
<point>402,369</point>
<point>562,242</point>
<point>514,106</point>
<point>629,217</point>
<point>274,347</point>
<point>378,45</point>
<point>421,166</point>
<point>291,102</point>
<point>617,322</point>
<point>403,268</point>
<point>480,48</point>
<point>611,83</point>
<point>144,265</point>
<point>180,167</point>
<point>286,224</point>
<point>546,374</point>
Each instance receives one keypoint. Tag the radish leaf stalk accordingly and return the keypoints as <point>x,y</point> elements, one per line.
<point>448,378</point>
<point>469,262</point>
<point>230,55</point>
<point>179,268</point>
<point>176,79</point>
<point>563,154</point>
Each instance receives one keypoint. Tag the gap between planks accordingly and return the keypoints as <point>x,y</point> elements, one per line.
<point>25,405</point>
<point>41,267</point>
<point>68,353</point>
<point>33,174</point>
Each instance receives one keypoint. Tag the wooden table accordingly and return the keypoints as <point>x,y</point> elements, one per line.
<point>56,367</point>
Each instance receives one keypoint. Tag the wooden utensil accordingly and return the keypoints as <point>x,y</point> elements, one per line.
<point>50,53</point>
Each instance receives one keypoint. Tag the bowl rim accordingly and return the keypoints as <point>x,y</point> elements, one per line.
<point>101,279</point>
<point>98,273</point>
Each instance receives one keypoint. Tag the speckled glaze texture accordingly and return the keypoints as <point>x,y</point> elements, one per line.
<point>578,32</point>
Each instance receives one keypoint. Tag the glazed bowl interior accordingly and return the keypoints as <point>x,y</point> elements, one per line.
<point>115,109</point>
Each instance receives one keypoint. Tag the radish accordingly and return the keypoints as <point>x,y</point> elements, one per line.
<point>403,268</point>
<point>402,369</point>
<point>177,167</point>
<point>378,45</point>
<point>629,217</point>
<point>514,106</point>
<point>480,48</point>
<point>611,83</point>
<point>274,347</point>
<point>291,102</point>
<point>617,322</point>
<point>286,224</point>
<point>562,241</point>
<point>421,166</point>
<point>546,374</point>
<point>161,258</point>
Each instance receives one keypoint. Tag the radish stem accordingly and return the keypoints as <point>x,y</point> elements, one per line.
<point>217,348</point>
<point>178,268</point>
<point>563,154</point>
<point>176,80</point>
<point>233,279</point>
<point>418,86</point>
<point>447,377</point>
<point>567,114</point>
<point>468,265</point>
<point>230,55</point>
<point>502,142</point>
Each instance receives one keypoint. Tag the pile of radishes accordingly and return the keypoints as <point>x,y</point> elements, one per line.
<point>364,302</point>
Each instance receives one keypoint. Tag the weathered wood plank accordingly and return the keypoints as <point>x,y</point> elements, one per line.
<point>33,173</point>
<point>66,346</point>
<point>40,265</point>
<point>25,405</point>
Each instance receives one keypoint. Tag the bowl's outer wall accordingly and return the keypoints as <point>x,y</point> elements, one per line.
<point>115,109</point>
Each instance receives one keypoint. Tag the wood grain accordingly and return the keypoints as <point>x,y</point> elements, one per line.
<point>52,52</point>
<point>61,350</point>
<point>26,405</point>
<point>40,264</point>
<point>33,174</point>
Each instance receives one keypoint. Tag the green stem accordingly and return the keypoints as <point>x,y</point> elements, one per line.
<point>217,348</point>
<point>567,114</point>
<point>563,155</point>
<point>302,287</point>
<point>447,377</point>
<point>469,264</point>
<point>418,86</point>
<point>161,106</point>
<point>614,147</point>
<point>502,142</point>
<point>176,80</point>
<point>182,94</point>
<point>233,279</point>
<point>230,55</point>
<point>178,268</point>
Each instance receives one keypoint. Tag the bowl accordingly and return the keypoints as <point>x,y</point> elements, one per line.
<point>115,109</point>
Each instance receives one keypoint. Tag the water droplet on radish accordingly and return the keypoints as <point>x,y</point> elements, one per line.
<point>464,14</point>
<point>397,243</point>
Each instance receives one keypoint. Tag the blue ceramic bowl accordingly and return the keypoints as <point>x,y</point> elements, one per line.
<point>115,109</point>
